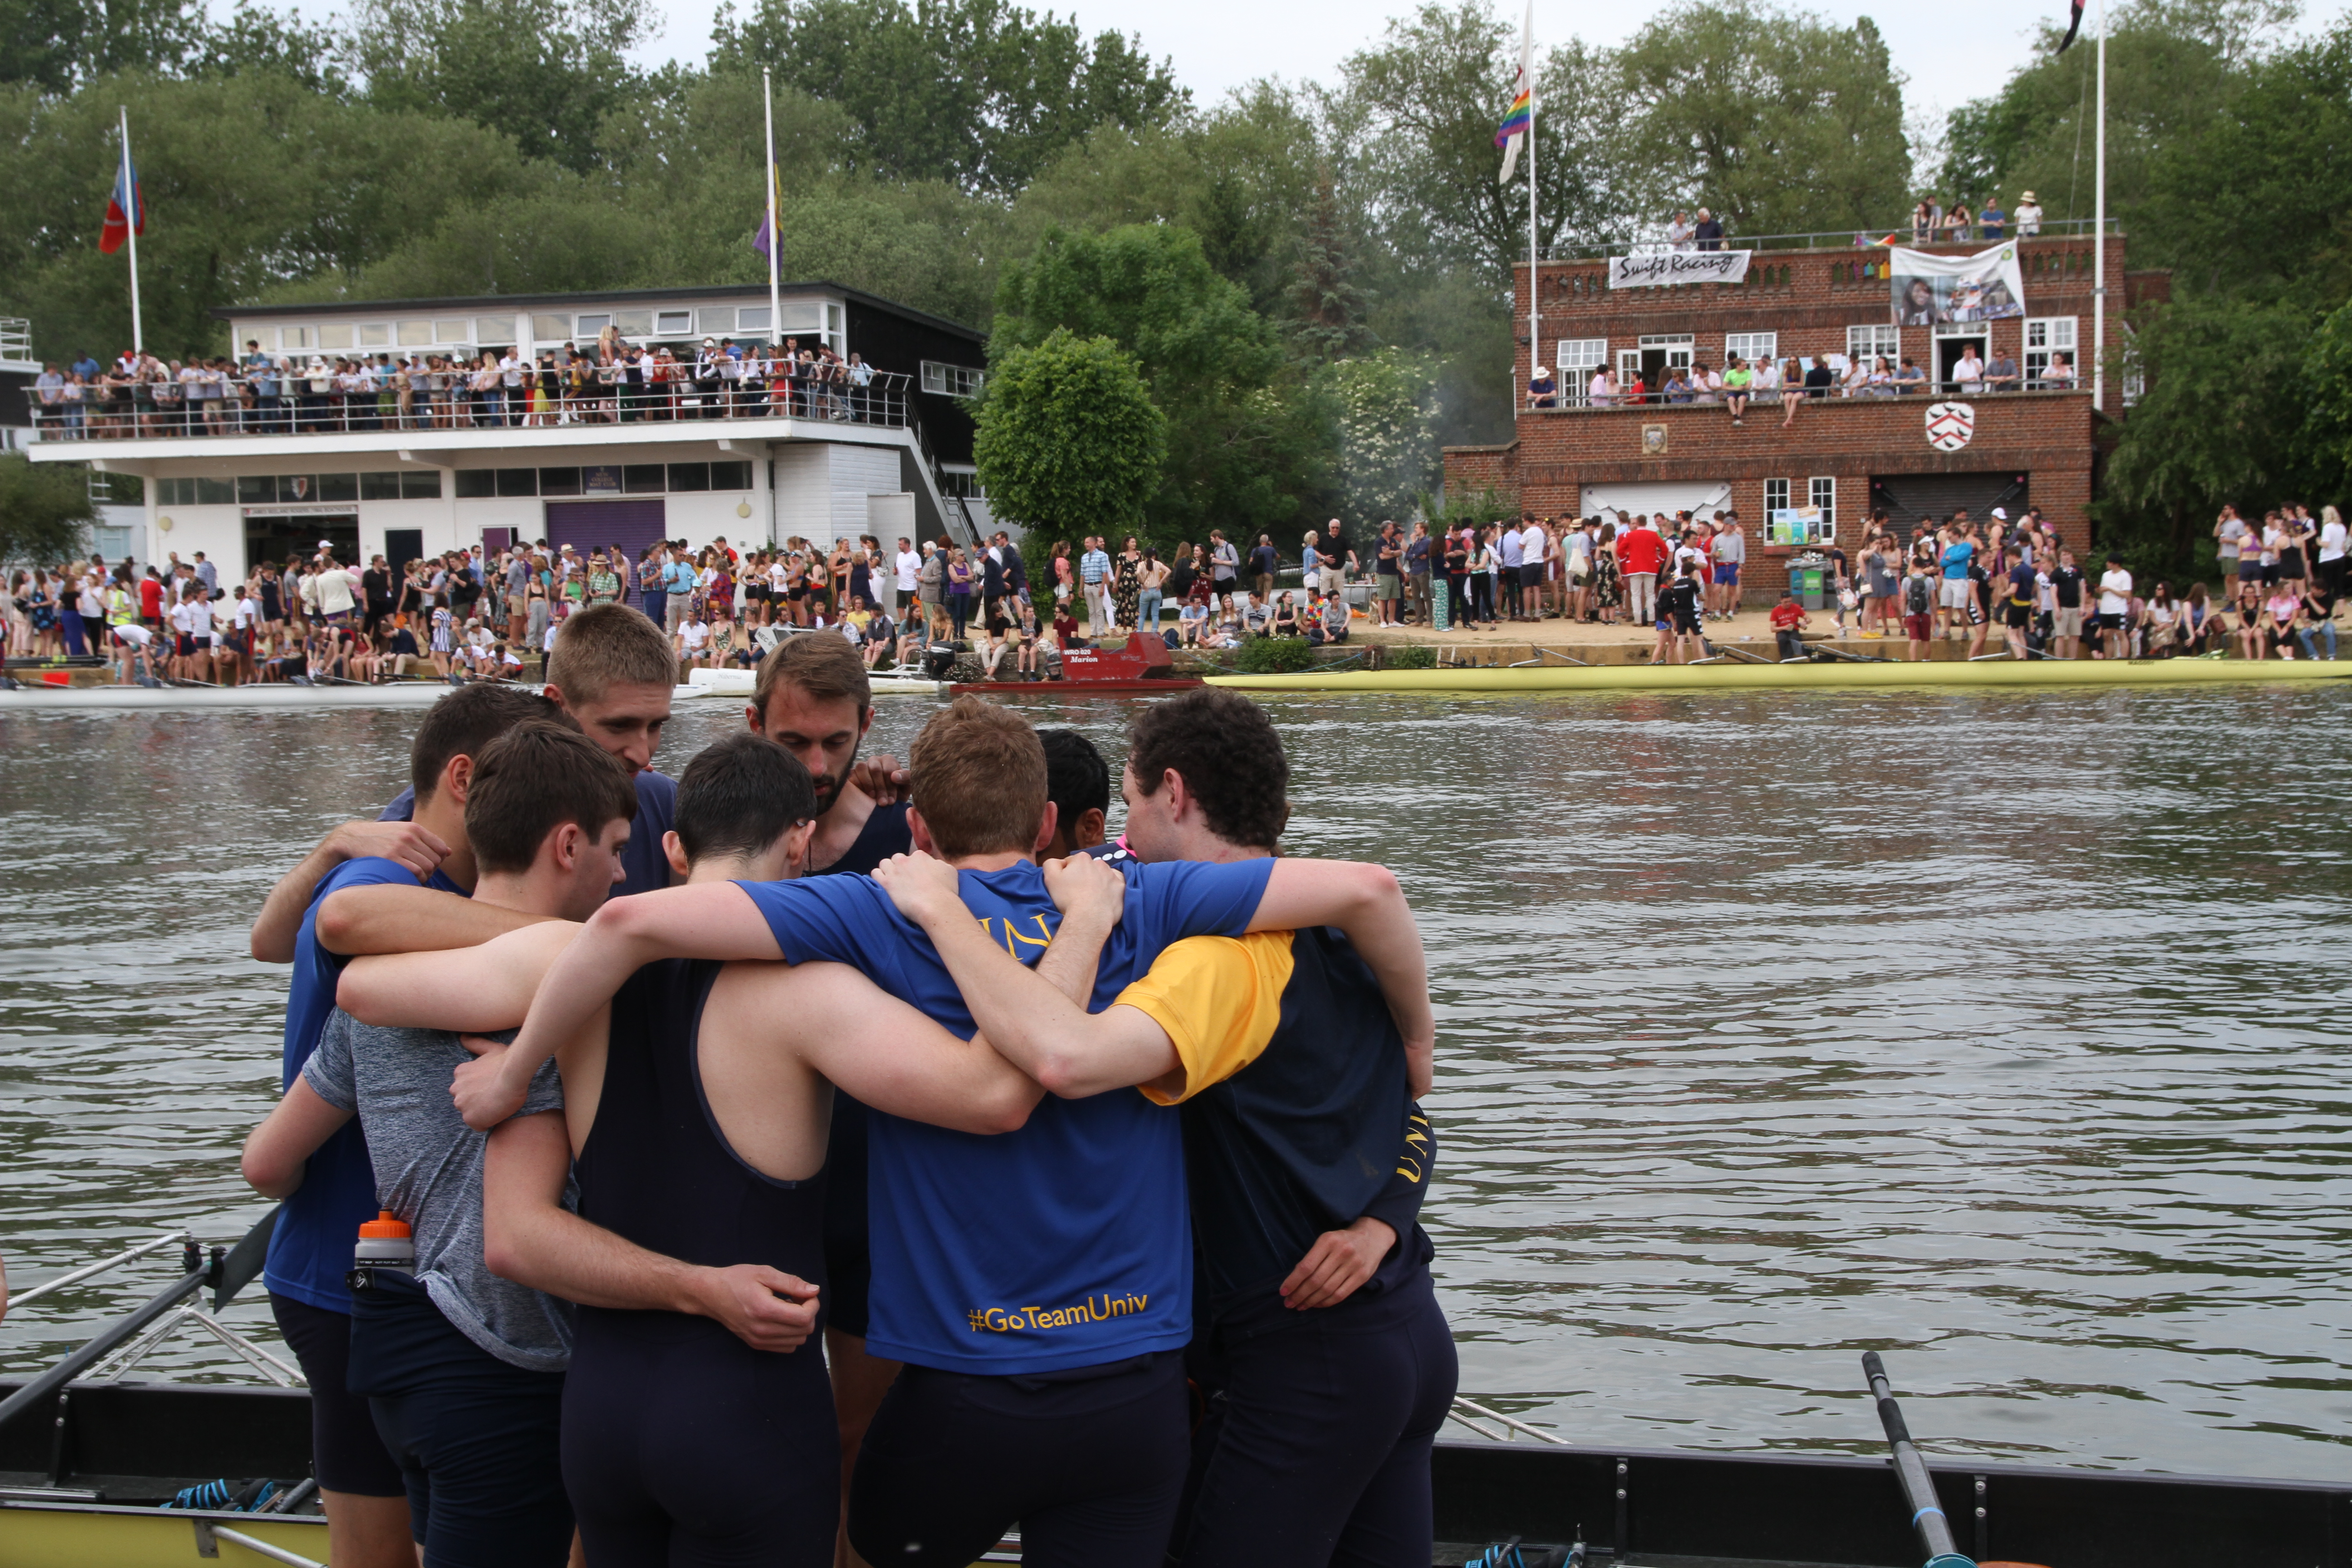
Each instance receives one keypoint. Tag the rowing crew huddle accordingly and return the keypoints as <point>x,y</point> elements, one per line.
<point>1031,1130</point>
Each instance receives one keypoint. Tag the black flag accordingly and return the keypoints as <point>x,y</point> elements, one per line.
<point>2073,27</point>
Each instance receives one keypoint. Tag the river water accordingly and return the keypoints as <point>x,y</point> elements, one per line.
<point>1999,1032</point>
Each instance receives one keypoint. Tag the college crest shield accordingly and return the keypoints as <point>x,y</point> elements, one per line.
<point>1949,425</point>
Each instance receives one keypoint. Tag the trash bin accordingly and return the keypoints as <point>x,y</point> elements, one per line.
<point>1809,579</point>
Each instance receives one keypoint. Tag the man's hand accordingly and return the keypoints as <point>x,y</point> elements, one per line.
<point>881,779</point>
<point>765,1307</point>
<point>416,848</point>
<point>482,1100</point>
<point>926,890</point>
<point>1338,1262</point>
<point>1087,889</point>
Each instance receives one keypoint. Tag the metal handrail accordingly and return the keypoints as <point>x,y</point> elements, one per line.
<point>887,403</point>
<point>184,1237</point>
<point>1916,393</point>
<point>1835,240</point>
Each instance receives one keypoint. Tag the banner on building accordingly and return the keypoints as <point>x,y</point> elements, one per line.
<point>1658,268</point>
<point>1929,291</point>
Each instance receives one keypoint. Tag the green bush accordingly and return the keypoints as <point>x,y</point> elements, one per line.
<point>1413,657</point>
<point>1274,655</point>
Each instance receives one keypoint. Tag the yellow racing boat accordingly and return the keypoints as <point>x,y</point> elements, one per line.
<point>1833,675</point>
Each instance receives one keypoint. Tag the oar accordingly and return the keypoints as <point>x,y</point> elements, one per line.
<point>81,1360</point>
<point>1918,1490</point>
<point>243,1264</point>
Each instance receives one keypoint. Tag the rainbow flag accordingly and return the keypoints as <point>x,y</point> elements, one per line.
<point>1522,113</point>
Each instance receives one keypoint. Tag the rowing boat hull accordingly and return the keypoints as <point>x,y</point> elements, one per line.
<point>1501,679</point>
<point>134,1443</point>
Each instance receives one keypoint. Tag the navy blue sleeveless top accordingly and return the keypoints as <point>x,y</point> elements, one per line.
<point>656,1169</point>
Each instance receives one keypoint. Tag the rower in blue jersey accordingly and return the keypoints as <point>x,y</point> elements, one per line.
<point>1039,1283</point>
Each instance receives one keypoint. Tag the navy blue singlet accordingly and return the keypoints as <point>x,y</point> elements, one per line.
<point>682,1445</point>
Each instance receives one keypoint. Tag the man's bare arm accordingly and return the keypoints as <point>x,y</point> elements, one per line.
<point>386,917</point>
<point>1365,902</point>
<point>714,920</point>
<point>530,1237</point>
<point>279,924</point>
<point>468,989</point>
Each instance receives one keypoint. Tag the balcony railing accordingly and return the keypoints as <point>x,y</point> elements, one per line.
<point>1578,398</point>
<point>114,410</point>
<point>1839,240</point>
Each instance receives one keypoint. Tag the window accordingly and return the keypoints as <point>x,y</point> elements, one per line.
<point>673,324</point>
<point>962,483</point>
<point>296,488</point>
<point>416,335</point>
<point>1776,497</point>
<point>546,330</point>
<point>335,337</point>
<point>689,476</point>
<point>2135,370</point>
<point>752,319</point>
<point>425,486</point>
<point>559,482</point>
<point>1823,494</point>
<point>497,331</point>
<point>641,479</point>
<point>477,484</point>
<point>1872,342</point>
<point>516,481</point>
<point>339,486</point>
<point>2044,336</point>
<point>451,332</point>
<point>1587,354</point>
<point>716,321</point>
<point>376,337</point>
<point>592,325</point>
<point>634,323</point>
<point>803,316</point>
<point>730,475</point>
<point>380,487</point>
<point>1751,346</point>
<point>952,380</point>
<point>256,490</point>
<point>297,337</point>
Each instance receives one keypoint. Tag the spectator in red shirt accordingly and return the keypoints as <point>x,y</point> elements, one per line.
<point>151,601</point>
<point>1640,552</point>
<point>1788,627</point>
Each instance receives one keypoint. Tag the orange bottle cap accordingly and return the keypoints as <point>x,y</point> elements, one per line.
<point>384,1225</point>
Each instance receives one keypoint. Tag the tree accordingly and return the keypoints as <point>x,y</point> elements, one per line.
<point>1779,122</point>
<point>1327,304</point>
<point>1245,445</point>
<point>977,92</point>
<point>44,513</point>
<point>2327,381</point>
<point>57,45</point>
<point>1387,447</point>
<point>1069,443</point>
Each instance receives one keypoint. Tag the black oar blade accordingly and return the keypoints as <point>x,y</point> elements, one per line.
<point>243,1264</point>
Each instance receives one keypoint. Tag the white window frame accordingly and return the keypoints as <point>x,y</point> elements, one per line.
<point>673,323</point>
<point>1820,490</point>
<point>1745,346</point>
<point>1875,339</point>
<point>952,380</point>
<point>2046,335</point>
<point>298,338</point>
<point>1578,358</point>
<point>1776,497</point>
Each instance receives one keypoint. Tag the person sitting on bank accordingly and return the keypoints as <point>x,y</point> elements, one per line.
<point>1788,627</point>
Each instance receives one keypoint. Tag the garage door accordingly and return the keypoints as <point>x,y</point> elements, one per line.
<point>1696,497</point>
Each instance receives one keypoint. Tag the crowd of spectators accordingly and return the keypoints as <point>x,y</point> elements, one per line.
<point>1742,384</point>
<point>610,381</point>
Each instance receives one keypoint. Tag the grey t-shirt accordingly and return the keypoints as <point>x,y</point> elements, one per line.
<point>428,1172</point>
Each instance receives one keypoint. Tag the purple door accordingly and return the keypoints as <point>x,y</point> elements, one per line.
<point>585,525</point>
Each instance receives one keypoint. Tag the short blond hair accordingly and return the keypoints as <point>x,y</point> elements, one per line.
<point>979,779</point>
<point>606,646</point>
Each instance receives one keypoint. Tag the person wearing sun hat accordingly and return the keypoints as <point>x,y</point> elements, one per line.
<point>2028,216</point>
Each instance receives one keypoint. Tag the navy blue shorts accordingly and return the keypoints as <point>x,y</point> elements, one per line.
<point>346,1453</point>
<point>1318,1440</point>
<point>477,1441</point>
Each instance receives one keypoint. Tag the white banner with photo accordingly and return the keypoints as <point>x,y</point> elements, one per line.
<point>1929,291</point>
<point>1658,269</point>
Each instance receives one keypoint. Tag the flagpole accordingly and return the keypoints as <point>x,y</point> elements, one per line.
<point>130,184</point>
<point>1535,290</point>
<point>776,309</point>
<point>2099,240</point>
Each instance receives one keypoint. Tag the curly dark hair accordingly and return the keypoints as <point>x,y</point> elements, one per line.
<point>1229,756</point>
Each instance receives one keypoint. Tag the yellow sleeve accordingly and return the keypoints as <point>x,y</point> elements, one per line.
<point>1218,999</point>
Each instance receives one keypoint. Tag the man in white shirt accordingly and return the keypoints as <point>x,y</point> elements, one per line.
<point>2115,608</point>
<point>1603,391</point>
<point>1532,543</point>
<point>1729,551</point>
<point>512,368</point>
<point>908,567</point>
<point>1969,372</point>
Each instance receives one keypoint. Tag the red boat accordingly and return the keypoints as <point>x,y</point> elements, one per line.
<point>1140,663</point>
